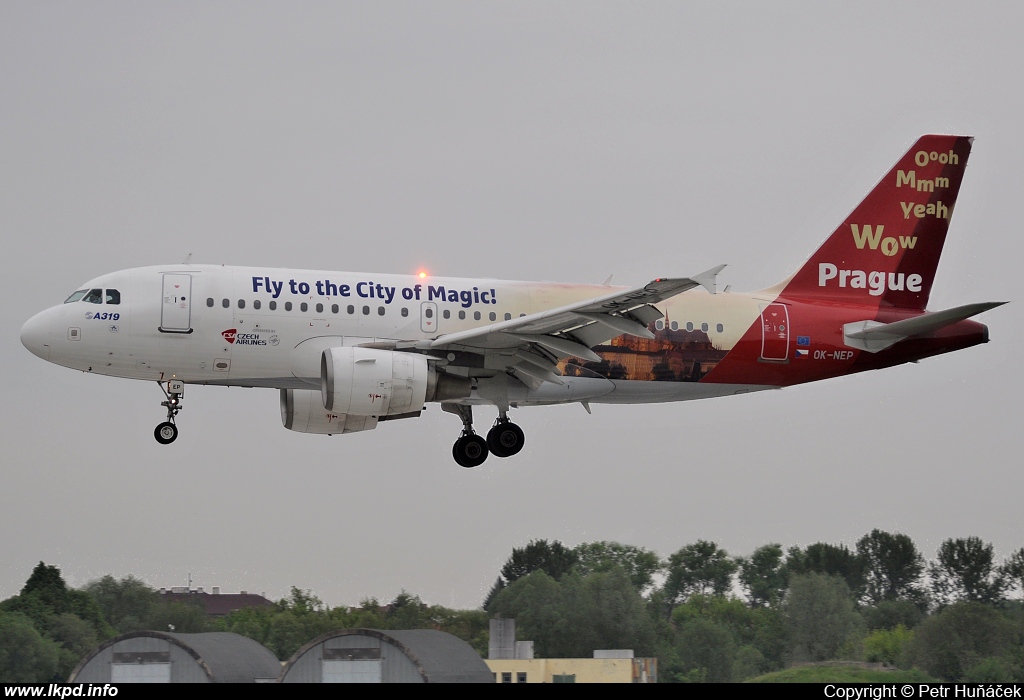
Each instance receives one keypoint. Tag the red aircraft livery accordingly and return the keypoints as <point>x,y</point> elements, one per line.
<point>347,350</point>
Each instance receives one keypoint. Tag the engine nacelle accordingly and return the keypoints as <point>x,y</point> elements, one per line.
<point>370,382</point>
<point>303,410</point>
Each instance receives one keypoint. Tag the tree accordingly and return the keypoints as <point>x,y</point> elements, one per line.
<point>820,616</point>
<point>553,558</point>
<point>706,648</point>
<point>834,560</point>
<point>537,603</point>
<point>76,638</point>
<point>127,604</point>
<point>892,567</point>
<point>1013,570</point>
<point>959,638</point>
<point>25,656</point>
<point>764,576</point>
<point>640,564</point>
<point>701,568</point>
<point>966,570</point>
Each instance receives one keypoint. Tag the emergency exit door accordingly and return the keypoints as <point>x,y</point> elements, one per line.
<point>176,309</point>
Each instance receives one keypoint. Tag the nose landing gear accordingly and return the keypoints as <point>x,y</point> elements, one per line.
<point>167,432</point>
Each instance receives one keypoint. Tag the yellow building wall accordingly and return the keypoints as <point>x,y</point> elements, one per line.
<point>585,670</point>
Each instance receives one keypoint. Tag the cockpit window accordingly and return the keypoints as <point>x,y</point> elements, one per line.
<point>95,296</point>
<point>112,297</point>
<point>75,297</point>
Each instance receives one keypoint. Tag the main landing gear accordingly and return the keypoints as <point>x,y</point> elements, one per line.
<point>167,431</point>
<point>504,439</point>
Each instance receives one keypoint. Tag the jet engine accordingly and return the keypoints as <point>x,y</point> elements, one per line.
<point>371,382</point>
<point>303,410</point>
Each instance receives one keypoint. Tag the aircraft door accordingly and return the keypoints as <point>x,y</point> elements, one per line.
<point>775,333</point>
<point>176,309</point>
<point>428,317</point>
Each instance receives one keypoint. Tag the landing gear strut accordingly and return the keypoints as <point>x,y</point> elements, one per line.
<point>505,438</point>
<point>470,450</point>
<point>167,431</point>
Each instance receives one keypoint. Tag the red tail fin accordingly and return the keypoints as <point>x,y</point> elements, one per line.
<point>886,251</point>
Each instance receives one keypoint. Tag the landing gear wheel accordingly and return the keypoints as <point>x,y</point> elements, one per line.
<point>166,433</point>
<point>505,439</point>
<point>470,451</point>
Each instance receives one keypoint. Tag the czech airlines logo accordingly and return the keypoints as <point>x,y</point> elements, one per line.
<point>229,335</point>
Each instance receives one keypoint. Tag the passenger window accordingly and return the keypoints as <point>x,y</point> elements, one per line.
<point>273,306</point>
<point>334,308</point>
<point>659,325</point>
<point>476,315</point>
<point>689,326</point>
<point>209,302</point>
<point>704,327</point>
<point>256,304</point>
<point>720,328</point>
<point>319,308</point>
<point>351,309</point>
<point>366,311</point>
<point>446,313</point>
<point>225,303</point>
<point>75,297</point>
<point>405,311</point>
<point>303,306</point>
<point>462,315</point>
<point>113,297</point>
<point>380,310</point>
<point>95,296</point>
<point>429,313</point>
<point>493,316</point>
<point>508,317</point>
<point>287,306</point>
<point>241,303</point>
<point>675,325</point>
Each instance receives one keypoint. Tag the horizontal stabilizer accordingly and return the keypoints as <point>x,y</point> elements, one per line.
<point>873,336</point>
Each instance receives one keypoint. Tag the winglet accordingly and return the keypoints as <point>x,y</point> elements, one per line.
<point>708,278</point>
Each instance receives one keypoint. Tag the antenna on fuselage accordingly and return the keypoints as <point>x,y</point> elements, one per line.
<point>187,258</point>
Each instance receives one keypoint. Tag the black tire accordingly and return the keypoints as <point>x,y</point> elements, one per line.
<point>505,439</point>
<point>166,433</point>
<point>470,451</point>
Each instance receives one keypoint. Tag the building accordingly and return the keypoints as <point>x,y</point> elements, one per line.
<point>166,657</point>
<point>216,604</point>
<point>393,656</point>
<point>512,661</point>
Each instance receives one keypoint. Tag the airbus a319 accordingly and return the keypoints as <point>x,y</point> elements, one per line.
<point>349,350</point>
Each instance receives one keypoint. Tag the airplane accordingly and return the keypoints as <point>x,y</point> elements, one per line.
<point>348,350</point>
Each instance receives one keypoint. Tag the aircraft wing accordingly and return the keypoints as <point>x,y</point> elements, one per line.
<point>531,344</point>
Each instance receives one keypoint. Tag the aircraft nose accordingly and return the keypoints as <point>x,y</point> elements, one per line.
<point>35,335</point>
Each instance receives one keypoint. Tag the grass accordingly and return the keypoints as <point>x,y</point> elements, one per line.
<point>843,672</point>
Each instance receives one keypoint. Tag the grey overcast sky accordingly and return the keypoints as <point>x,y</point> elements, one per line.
<point>522,140</point>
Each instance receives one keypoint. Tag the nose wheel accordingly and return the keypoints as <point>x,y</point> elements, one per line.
<point>167,432</point>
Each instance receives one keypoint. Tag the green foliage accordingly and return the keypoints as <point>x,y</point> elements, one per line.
<point>991,670</point>
<point>966,570</point>
<point>834,560</point>
<point>748,663</point>
<point>887,614</point>
<point>126,604</point>
<point>892,567</point>
<point>186,617</point>
<point>707,648</point>
<point>820,616</point>
<point>888,646</point>
<point>572,617</point>
<point>640,564</point>
<point>76,638</point>
<point>25,656</point>
<point>701,568</point>
<point>553,558</point>
<point>764,576</point>
<point>1013,570</point>
<point>960,637</point>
